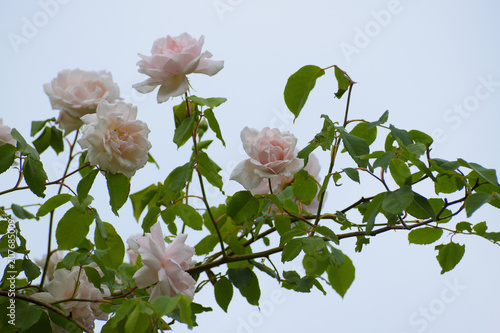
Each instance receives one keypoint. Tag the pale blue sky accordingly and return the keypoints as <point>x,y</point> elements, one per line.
<point>434,66</point>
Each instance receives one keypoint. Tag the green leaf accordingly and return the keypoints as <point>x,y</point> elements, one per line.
<point>24,148</point>
<point>383,160</point>
<point>209,169</point>
<point>362,130</point>
<point>304,187</point>
<point>118,188</point>
<point>343,81</point>
<point>189,216</point>
<point>424,236</point>
<point>152,160</point>
<point>141,199</point>
<point>488,174</point>
<point>372,211</point>
<point>356,147</point>
<point>494,236</point>
<point>73,228</point>
<point>298,87</point>
<point>56,140</point>
<point>113,243</point>
<point>382,120</point>
<point>185,310</point>
<point>461,226</point>
<point>251,291</point>
<point>37,125</point>
<point>85,184</point>
<point>214,124</point>
<point>150,218</point>
<point>352,173</point>
<point>163,305</point>
<point>211,102</point>
<point>421,208</point>
<point>22,213</point>
<point>31,270</point>
<point>242,207</point>
<point>178,178</point>
<point>341,277</point>
<point>291,249</point>
<point>480,228</point>
<point>184,131</point>
<point>396,202</point>
<point>31,315</point>
<point>328,233</point>
<point>206,245</point>
<point>223,291</point>
<point>43,141</point>
<point>421,137</point>
<point>448,182</point>
<point>449,255</point>
<point>476,200</point>
<point>403,135</point>
<point>400,172</point>
<point>35,175</point>
<point>7,156</point>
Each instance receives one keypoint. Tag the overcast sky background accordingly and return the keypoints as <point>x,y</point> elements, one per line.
<point>420,60</point>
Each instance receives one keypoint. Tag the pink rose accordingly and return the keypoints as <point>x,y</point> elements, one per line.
<point>172,58</point>
<point>164,265</point>
<point>63,287</point>
<point>116,141</point>
<point>78,92</point>
<point>5,136</point>
<point>54,259</point>
<point>271,152</point>
<point>279,183</point>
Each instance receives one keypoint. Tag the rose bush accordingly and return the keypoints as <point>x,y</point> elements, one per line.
<point>164,265</point>
<point>272,154</point>
<point>172,58</point>
<point>115,139</point>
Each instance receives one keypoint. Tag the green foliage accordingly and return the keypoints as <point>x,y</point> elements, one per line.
<point>242,207</point>
<point>246,281</point>
<point>424,236</point>
<point>35,175</point>
<point>113,243</point>
<point>343,81</point>
<point>209,169</point>
<point>304,187</point>
<point>73,228</point>
<point>449,255</point>
<point>214,124</point>
<point>223,291</point>
<point>299,85</point>
<point>118,188</point>
<point>53,203</point>
<point>341,276</point>
<point>7,156</point>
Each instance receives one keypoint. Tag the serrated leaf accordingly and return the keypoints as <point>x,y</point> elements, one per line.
<point>43,141</point>
<point>372,211</point>
<point>341,277</point>
<point>298,87</point>
<point>449,255</point>
<point>118,189</point>
<point>223,293</point>
<point>141,199</point>
<point>424,236</point>
<point>206,245</point>
<point>480,228</point>
<point>211,102</point>
<point>382,120</point>
<point>396,202</point>
<point>304,187</point>
<point>85,184</point>
<point>163,305</point>
<point>343,82</point>
<point>184,131</point>
<point>461,226</point>
<point>178,178</point>
<point>24,148</point>
<point>22,213</point>
<point>214,124</point>
<point>328,233</point>
<point>31,270</point>
<point>56,140</point>
<point>352,173</point>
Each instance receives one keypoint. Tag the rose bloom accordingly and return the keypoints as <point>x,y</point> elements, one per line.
<point>164,265</point>
<point>68,123</point>
<point>54,259</point>
<point>172,58</point>
<point>78,93</point>
<point>116,141</point>
<point>279,183</point>
<point>63,287</point>
<point>5,136</point>
<point>271,152</point>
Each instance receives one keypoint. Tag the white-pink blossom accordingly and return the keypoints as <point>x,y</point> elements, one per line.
<point>68,123</point>
<point>115,139</point>
<point>172,58</point>
<point>78,93</point>
<point>272,154</point>
<point>164,265</point>
<point>54,259</point>
<point>279,183</point>
<point>5,136</point>
<point>74,284</point>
